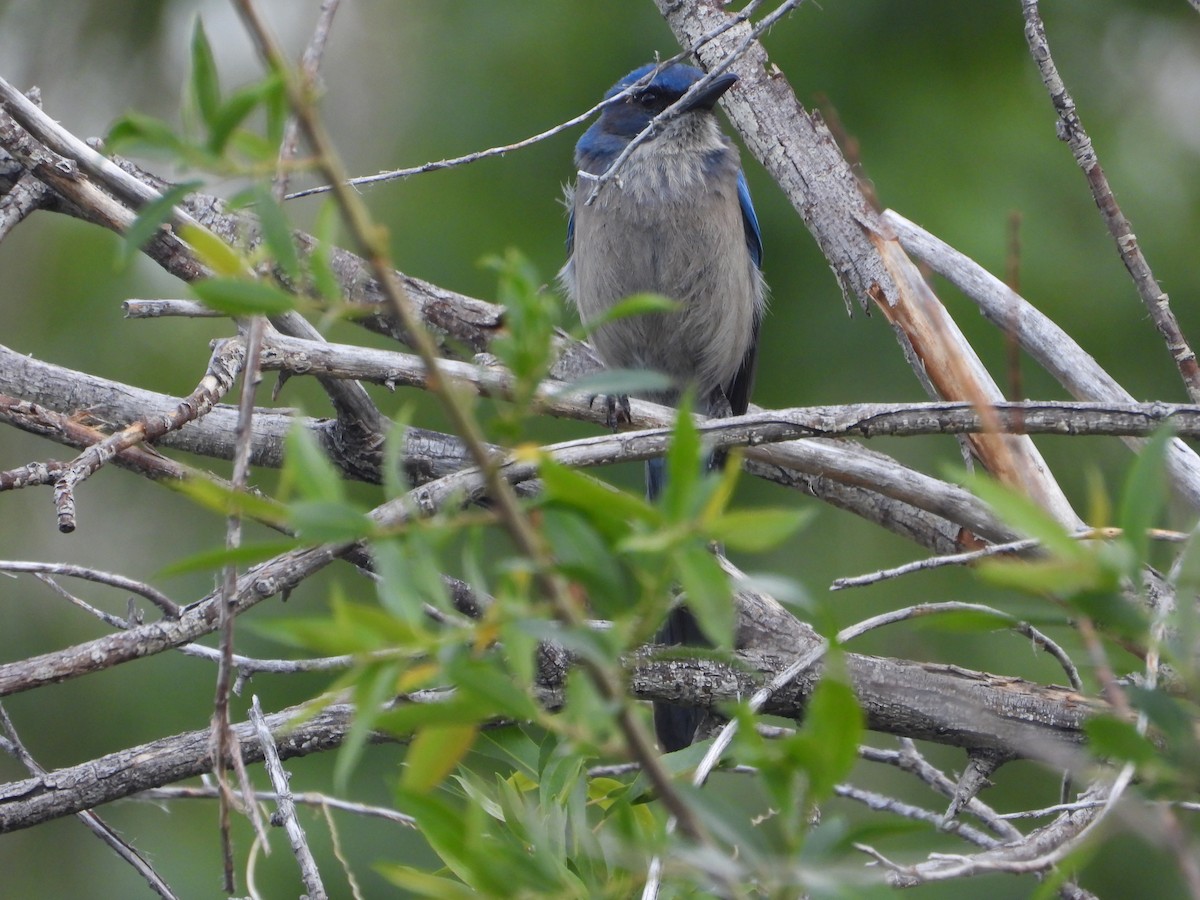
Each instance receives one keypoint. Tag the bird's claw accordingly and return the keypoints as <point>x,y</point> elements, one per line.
<point>616,409</point>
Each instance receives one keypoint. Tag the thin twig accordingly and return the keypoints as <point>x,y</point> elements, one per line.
<point>1011,547</point>
<point>310,64</point>
<point>952,606</point>
<point>1070,129</point>
<point>98,827</point>
<point>934,562</point>
<point>223,367</point>
<point>882,803</point>
<point>909,759</point>
<point>340,855</point>
<point>1025,857</point>
<point>504,150</point>
<point>153,309</point>
<point>169,607</point>
<point>225,742</point>
<point>107,618</point>
<point>287,808</point>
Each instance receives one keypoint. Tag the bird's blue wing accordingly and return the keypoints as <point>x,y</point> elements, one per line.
<point>571,230</point>
<point>737,392</point>
<point>749,221</point>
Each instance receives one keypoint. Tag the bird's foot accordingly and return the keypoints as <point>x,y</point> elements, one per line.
<point>616,407</point>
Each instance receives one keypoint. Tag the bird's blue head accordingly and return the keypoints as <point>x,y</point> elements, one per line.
<point>620,122</point>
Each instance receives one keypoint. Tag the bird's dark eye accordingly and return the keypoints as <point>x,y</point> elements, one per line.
<point>650,98</point>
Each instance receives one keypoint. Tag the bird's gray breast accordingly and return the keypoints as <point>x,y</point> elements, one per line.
<point>670,224</point>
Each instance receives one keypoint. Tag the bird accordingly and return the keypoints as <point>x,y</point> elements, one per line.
<point>676,220</point>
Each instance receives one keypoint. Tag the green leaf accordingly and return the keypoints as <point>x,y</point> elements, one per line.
<point>398,593</point>
<point>235,297</point>
<point>581,553</point>
<point>633,305</point>
<point>395,479</point>
<point>447,830</point>
<point>320,264</point>
<point>1044,576</point>
<point>234,111</point>
<point>329,521</point>
<point>1166,713</point>
<point>607,508</point>
<point>684,462</point>
<point>424,884</point>
<point>253,146</point>
<point>1113,612</point>
<point>214,252</point>
<point>1145,495</point>
<point>826,746</point>
<point>309,470</point>
<point>226,120</point>
<point>242,556</point>
<point>756,530</point>
<point>513,747</point>
<point>405,718</point>
<point>275,102</point>
<point>150,217</point>
<point>1027,517</point>
<point>618,383</point>
<point>1117,739</point>
<point>205,86</point>
<point>277,233</point>
<point>226,501</point>
<point>376,685</point>
<point>708,593</point>
<point>136,132</point>
<point>434,753</point>
<point>966,621</point>
<point>531,315</point>
<point>486,683</point>
<point>351,628</point>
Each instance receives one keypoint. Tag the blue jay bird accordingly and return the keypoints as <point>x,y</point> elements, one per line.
<point>678,221</point>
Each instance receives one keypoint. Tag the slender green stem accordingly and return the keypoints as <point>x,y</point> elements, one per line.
<point>372,240</point>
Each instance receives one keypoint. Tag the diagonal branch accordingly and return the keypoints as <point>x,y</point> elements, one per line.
<point>1070,129</point>
<point>1055,350</point>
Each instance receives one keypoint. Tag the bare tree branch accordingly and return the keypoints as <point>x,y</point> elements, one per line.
<point>287,808</point>
<point>1070,129</point>
<point>123,849</point>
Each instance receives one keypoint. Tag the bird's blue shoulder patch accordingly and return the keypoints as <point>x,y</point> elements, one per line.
<point>749,220</point>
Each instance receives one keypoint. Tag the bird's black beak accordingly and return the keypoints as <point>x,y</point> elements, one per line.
<point>707,97</point>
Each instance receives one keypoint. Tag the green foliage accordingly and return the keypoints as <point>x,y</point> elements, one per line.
<point>522,791</point>
<point>1144,497</point>
<point>800,771</point>
<point>277,233</point>
<point>243,298</point>
<point>542,829</point>
<point>618,556</point>
<point>214,137</point>
<point>150,218</point>
<point>1103,582</point>
<point>526,346</point>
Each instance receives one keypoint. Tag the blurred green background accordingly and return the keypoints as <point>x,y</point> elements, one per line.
<point>955,132</point>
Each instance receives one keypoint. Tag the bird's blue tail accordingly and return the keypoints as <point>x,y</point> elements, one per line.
<point>674,726</point>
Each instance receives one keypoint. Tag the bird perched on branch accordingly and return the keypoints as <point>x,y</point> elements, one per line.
<point>676,219</point>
